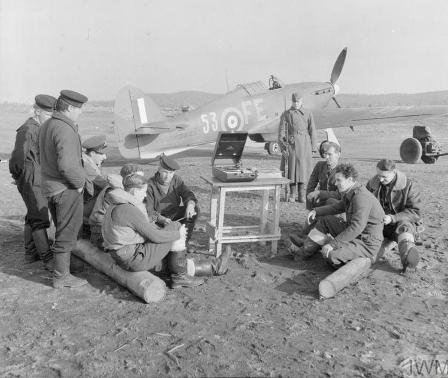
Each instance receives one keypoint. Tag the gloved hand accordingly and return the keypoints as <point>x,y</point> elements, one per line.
<point>387,219</point>
<point>164,220</point>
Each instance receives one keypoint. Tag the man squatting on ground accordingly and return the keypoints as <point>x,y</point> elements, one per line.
<point>25,170</point>
<point>92,157</point>
<point>166,191</point>
<point>297,139</point>
<point>401,202</point>
<point>138,244</point>
<point>360,235</point>
<point>321,189</point>
<point>63,179</point>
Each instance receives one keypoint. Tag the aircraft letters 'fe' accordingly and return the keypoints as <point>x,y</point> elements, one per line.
<point>143,132</point>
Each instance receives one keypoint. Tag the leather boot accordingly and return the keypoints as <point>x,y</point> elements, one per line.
<point>296,240</point>
<point>292,193</point>
<point>217,267</point>
<point>301,190</point>
<point>408,254</point>
<point>40,238</point>
<point>308,249</point>
<point>31,254</point>
<point>177,266</point>
<point>61,273</point>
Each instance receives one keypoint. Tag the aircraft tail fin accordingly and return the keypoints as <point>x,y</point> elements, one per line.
<point>132,110</point>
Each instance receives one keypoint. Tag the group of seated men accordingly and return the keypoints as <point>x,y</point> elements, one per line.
<point>145,224</point>
<point>349,220</point>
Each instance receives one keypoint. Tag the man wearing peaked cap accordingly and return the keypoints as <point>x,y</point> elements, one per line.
<point>25,169</point>
<point>297,139</point>
<point>93,157</point>
<point>73,98</point>
<point>63,180</point>
<point>165,192</point>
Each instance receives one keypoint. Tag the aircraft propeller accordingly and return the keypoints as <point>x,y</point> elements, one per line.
<point>336,72</point>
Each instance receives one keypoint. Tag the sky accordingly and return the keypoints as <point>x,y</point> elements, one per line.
<point>162,46</point>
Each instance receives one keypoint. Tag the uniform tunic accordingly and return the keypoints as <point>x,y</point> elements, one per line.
<point>362,234</point>
<point>297,135</point>
<point>62,175</point>
<point>322,178</point>
<point>25,170</point>
<point>401,200</point>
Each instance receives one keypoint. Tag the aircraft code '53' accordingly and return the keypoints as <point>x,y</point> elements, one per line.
<point>232,118</point>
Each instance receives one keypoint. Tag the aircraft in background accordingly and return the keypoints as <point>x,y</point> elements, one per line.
<point>143,132</point>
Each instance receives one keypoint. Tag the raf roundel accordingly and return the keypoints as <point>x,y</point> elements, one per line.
<point>232,119</point>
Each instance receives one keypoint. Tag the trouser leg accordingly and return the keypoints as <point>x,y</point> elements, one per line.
<point>409,254</point>
<point>301,187</point>
<point>292,192</point>
<point>40,238</point>
<point>31,254</point>
<point>66,210</point>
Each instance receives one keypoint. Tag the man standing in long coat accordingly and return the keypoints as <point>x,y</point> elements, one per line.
<point>297,138</point>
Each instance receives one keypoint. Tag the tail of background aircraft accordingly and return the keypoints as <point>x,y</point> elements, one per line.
<point>132,110</point>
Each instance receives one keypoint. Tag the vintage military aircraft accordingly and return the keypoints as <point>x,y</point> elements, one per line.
<point>142,132</point>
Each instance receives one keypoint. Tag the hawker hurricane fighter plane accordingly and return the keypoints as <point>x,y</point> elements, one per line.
<point>143,132</point>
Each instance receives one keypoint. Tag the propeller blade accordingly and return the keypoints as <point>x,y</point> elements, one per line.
<point>338,65</point>
<point>336,102</point>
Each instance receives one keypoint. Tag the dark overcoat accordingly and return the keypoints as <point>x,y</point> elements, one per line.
<point>297,135</point>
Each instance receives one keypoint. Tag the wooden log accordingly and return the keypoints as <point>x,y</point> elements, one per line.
<point>344,276</point>
<point>143,284</point>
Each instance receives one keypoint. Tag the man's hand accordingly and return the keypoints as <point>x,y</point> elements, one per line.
<point>79,190</point>
<point>387,219</point>
<point>313,195</point>
<point>190,212</point>
<point>165,220</point>
<point>326,249</point>
<point>311,217</point>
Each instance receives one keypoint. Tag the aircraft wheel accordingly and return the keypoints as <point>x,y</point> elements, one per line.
<point>429,159</point>
<point>410,150</point>
<point>273,148</point>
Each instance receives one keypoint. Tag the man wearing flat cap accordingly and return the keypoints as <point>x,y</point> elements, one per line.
<point>166,191</point>
<point>297,139</point>
<point>63,180</point>
<point>25,170</point>
<point>93,157</point>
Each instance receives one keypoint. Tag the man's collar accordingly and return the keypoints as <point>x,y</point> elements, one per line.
<point>62,117</point>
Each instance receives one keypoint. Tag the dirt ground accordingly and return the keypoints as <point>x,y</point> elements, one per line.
<point>263,318</point>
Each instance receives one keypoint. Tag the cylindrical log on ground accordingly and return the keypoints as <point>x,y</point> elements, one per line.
<point>143,284</point>
<point>344,276</point>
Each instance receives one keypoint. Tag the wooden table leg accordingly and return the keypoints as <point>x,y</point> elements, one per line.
<point>213,214</point>
<point>221,211</point>
<point>264,213</point>
<point>276,217</point>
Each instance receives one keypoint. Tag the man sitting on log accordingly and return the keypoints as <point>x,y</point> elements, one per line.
<point>169,199</point>
<point>359,236</point>
<point>137,244</point>
<point>104,200</point>
<point>401,202</point>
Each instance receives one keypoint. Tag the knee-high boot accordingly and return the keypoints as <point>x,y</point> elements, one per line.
<point>301,190</point>
<point>61,272</point>
<point>215,267</point>
<point>408,251</point>
<point>177,266</point>
<point>31,254</point>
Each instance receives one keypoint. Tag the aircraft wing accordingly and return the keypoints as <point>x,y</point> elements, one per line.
<point>352,117</point>
<point>158,128</point>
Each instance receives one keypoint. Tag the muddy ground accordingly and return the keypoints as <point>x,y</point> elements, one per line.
<point>263,318</point>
